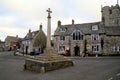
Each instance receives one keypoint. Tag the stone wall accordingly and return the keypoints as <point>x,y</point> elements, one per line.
<point>111,15</point>
<point>45,66</point>
<point>81,43</point>
<point>109,43</point>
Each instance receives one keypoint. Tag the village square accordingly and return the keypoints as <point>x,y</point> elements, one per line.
<point>86,51</point>
<point>93,39</point>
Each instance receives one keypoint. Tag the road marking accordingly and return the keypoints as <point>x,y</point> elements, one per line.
<point>110,78</point>
<point>118,74</point>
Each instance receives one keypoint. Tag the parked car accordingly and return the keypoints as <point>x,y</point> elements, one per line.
<point>18,51</point>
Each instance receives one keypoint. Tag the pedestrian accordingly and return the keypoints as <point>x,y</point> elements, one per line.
<point>38,52</point>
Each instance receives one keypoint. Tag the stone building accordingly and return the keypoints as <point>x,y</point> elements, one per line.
<point>111,15</point>
<point>2,46</point>
<point>39,41</point>
<point>12,43</point>
<point>34,40</point>
<point>94,38</point>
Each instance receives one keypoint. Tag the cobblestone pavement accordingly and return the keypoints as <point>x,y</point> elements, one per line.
<point>11,68</point>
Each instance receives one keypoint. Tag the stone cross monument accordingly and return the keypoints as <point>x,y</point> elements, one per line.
<point>49,29</point>
<point>49,60</point>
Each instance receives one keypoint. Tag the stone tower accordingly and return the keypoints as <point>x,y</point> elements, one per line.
<point>111,15</point>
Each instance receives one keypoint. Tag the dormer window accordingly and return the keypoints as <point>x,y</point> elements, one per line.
<point>110,11</point>
<point>62,38</point>
<point>62,30</point>
<point>95,27</point>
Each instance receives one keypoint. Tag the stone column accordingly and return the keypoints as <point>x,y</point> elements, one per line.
<point>49,29</point>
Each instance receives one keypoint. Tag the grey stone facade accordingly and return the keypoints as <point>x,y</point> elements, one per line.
<point>27,41</point>
<point>2,46</point>
<point>94,38</point>
<point>34,41</point>
<point>12,43</point>
<point>111,15</point>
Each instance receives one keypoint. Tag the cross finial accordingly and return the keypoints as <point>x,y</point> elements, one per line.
<point>49,11</point>
<point>117,1</point>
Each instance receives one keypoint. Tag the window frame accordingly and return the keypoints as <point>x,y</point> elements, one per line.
<point>94,27</point>
<point>62,38</point>
<point>61,47</point>
<point>62,30</point>
<point>77,35</point>
<point>96,48</point>
<point>116,48</point>
<point>95,37</point>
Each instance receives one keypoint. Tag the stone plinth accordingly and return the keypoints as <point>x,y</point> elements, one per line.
<point>47,62</point>
<point>45,66</point>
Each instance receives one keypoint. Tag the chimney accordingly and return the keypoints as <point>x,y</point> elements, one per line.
<point>29,30</point>
<point>72,22</point>
<point>16,36</point>
<point>59,23</point>
<point>41,26</point>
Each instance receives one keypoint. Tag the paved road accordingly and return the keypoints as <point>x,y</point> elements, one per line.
<point>11,68</point>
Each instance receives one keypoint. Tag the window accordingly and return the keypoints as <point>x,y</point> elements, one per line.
<point>61,48</point>
<point>29,42</point>
<point>95,27</point>
<point>95,48</point>
<point>62,37</point>
<point>110,11</point>
<point>103,19</point>
<point>116,48</point>
<point>77,35</point>
<point>62,30</point>
<point>26,42</point>
<point>94,37</point>
<point>113,21</point>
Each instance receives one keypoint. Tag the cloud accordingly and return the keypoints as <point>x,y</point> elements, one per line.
<point>29,14</point>
<point>9,26</point>
<point>18,16</point>
<point>87,10</point>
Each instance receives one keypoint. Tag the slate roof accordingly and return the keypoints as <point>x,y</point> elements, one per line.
<point>12,39</point>
<point>86,29</point>
<point>39,39</point>
<point>30,35</point>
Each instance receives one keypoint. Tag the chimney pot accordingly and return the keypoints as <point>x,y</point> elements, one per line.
<point>72,22</point>
<point>41,26</point>
<point>59,23</point>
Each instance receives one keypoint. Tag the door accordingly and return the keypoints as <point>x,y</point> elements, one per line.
<point>76,50</point>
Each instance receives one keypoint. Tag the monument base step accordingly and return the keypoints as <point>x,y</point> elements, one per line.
<point>45,66</point>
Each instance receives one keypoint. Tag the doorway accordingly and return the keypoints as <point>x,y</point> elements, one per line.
<point>77,50</point>
<point>26,51</point>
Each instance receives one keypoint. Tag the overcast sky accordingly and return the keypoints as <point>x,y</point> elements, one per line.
<point>18,16</point>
